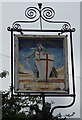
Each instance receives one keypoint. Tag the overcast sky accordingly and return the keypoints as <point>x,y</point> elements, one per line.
<point>64,11</point>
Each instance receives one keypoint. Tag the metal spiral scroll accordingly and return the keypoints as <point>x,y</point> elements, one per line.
<point>40,13</point>
<point>31,12</point>
<point>16,26</point>
<point>66,27</point>
<point>48,13</point>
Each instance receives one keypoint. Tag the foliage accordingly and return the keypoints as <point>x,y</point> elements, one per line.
<point>18,107</point>
<point>4,73</point>
<point>63,117</point>
<point>27,108</point>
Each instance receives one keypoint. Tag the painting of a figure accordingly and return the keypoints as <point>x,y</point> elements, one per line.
<point>41,63</point>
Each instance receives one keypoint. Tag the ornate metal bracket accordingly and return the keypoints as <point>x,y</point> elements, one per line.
<point>43,14</point>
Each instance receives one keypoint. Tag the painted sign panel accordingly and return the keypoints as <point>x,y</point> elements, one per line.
<point>40,63</point>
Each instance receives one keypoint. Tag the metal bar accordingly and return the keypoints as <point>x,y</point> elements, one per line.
<point>40,21</point>
<point>43,100</point>
<point>66,106</point>
<point>72,62</point>
<point>53,22</point>
<point>57,22</point>
<point>40,6</point>
<point>61,95</point>
<point>36,30</point>
<point>25,21</point>
<point>12,63</point>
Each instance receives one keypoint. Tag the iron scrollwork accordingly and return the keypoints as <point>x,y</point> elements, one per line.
<point>16,26</point>
<point>66,27</point>
<point>31,12</point>
<point>48,13</point>
<point>45,14</point>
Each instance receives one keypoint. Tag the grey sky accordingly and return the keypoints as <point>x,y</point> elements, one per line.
<point>64,11</point>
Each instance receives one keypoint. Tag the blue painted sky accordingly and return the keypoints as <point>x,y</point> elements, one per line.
<point>26,48</point>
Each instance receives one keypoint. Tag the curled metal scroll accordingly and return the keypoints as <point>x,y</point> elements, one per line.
<point>31,12</point>
<point>48,13</point>
<point>66,106</point>
<point>16,26</point>
<point>66,27</point>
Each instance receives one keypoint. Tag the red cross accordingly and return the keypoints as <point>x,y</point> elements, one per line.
<point>47,59</point>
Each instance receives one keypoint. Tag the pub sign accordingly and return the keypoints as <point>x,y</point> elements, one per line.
<point>41,63</point>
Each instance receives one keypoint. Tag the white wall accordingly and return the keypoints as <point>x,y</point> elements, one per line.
<point>81,60</point>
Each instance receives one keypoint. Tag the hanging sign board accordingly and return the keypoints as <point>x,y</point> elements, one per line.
<point>40,63</point>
